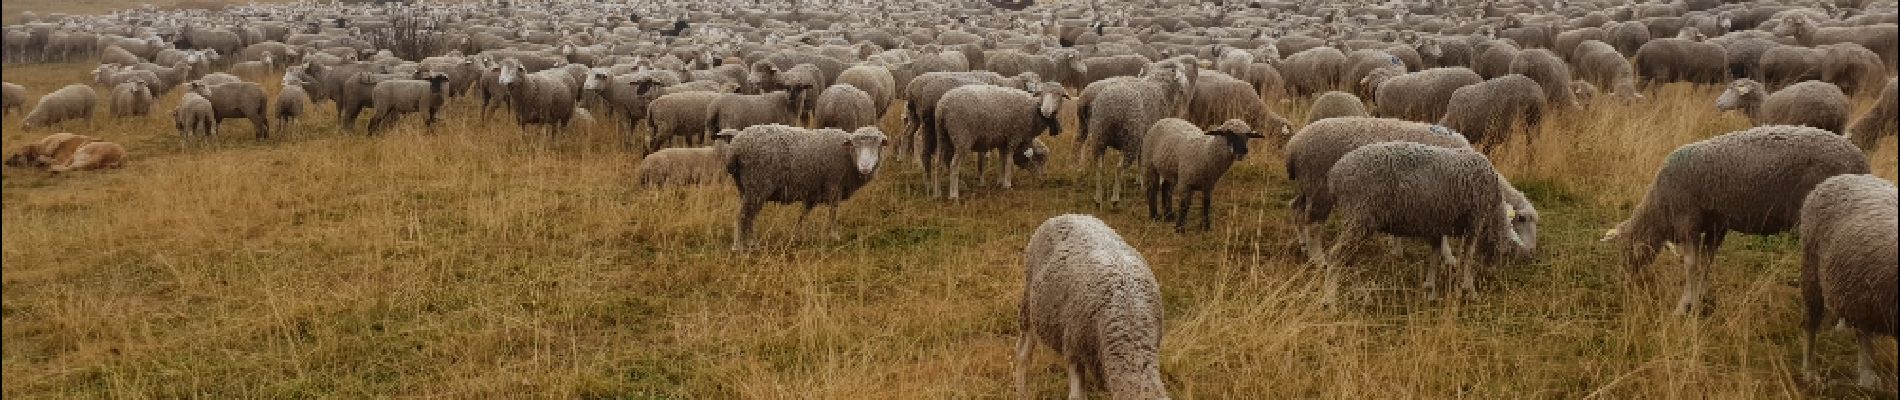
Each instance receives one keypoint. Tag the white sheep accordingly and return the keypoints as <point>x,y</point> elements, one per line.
<point>784,164</point>
<point>1849,262</point>
<point>1179,160</point>
<point>1090,296</point>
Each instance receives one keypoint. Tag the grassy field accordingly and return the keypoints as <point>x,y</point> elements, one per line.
<point>471,261</point>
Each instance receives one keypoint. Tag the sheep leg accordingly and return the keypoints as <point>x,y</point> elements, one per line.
<point>1095,170</point>
<point>1468,282</point>
<point>1207,200</point>
<point>1694,281</point>
<point>981,164</point>
<point>1024,350</point>
<point>1009,167</point>
<point>1075,381</point>
<point>742,231</point>
<point>955,169</point>
<point>1341,251</point>
<point>1115,193</point>
<point>1869,376</point>
<point>1153,193</point>
<point>831,226</point>
<point>1176,191</point>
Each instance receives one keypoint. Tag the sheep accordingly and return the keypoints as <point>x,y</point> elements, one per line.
<point>1848,263</point>
<point>845,107</point>
<point>392,98</point>
<point>1123,109</point>
<point>1218,98</point>
<point>237,100</point>
<point>1854,68</point>
<point>195,117</point>
<point>626,95</point>
<point>291,102</point>
<point>682,166</point>
<point>1878,122</point>
<point>678,114</point>
<point>1551,75</point>
<point>1417,190</point>
<point>1812,103</point>
<point>921,109</point>
<point>1605,68</point>
<point>1629,37</point>
<point>92,156</point>
<point>1360,64</point>
<point>875,81</point>
<point>1266,80</point>
<point>1314,71</point>
<point>255,69</point>
<point>539,97</point>
<point>1496,59</point>
<point>783,164</point>
<point>1809,32</point>
<point>12,97</point>
<point>980,118</point>
<point>1682,60</point>
<point>118,55</point>
<point>1487,112</point>
<point>700,86</point>
<point>131,99</point>
<point>219,78</point>
<point>54,149</point>
<point>1750,181</point>
<point>1313,150</point>
<point>737,111</point>
<point>1179,159</point>
<point>1335,104</point>
<point>1091,297</point>
<point>72,102</point>
<point>1784,65</point>
<point>1421,96</point>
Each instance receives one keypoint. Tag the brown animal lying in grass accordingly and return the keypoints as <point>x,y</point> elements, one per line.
<point>61,152</point>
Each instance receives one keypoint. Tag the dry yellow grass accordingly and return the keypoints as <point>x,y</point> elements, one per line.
<point>469,262</point>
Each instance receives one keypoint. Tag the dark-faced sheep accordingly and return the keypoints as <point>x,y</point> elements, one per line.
<point>1090,296</point>
<point>73,102</point>
<point>1848,263</point>
<point>1421,96</point>
<point>1179,160</point>
<point>783,164</point>
<point>1878,122</point>
<point>977,119</point>
<point>1812,103</point>
<point>1750,181</point>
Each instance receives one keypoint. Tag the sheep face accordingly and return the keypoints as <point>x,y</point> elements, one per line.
<point>1053,96</point>
<point>1738,95</point>
<point>596,79</point>
<point>867,149</point>
<point>1033,157</point>
<point>1517,239</point>
<point>510,73</point>
<point>1236,133</point>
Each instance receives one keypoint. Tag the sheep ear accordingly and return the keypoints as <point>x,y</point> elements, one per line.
<point>1612,234</point>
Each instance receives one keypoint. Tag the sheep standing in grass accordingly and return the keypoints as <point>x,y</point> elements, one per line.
<point>291,102</point>
<point>12,97</point>
<point>1750,181</point>
<point>1878,122</point>
<point>683,166</point>
<point>1421,96</point>
<point>74,101</point>
<point>1848,263</point>
<point>393,98</point>
<point>1440,194</point>
<point>1180,160</point>
<point>1488,112</point>
<point>874,80</point>
<point>783,164</point>
<point>1551,74</point>
<point>237,100</point>
<point>1123,109</point>
<point>1310,154</point>
<point>195,117</point>
<point>1218,98</point>
<point>679,115</point>
<point>738,111</point>
<point>538,98</point>
<point>1856,69</point>
<point>975,119</point>
<point>1090,296</point>
<point>1812,103</point>
<point>131,99</point>
<point>1336,104</point>
<point>845,107</point>
<point>255,69</point>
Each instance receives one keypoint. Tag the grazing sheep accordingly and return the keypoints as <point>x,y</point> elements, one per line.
<point>1628,37</point>
<point>72,102</point>
<point>131,99</point>
<point>1878,122</point>
<point>1812,103</point>
<point>219,78</point>
<point>875,81</point>
<point>1854,68</point>
<point>1608,69</point>
<point>1336,104</point>
<point>1090,296</point>
<point>1488,112</point>
<point>1179,159</point>
<point>1310,154</point>
<point>1267,80</point>
<point>737,111</point>
<point>1682,60</point>
<point>118,55</point>
<point>1551,75</point>
<point>195,117</point>
<point>845,107</point>
<point>1218,98</point>
<point>1451,197</point>
<point>54,149</point>
<point>1496,59</point>
<point>91,156</point>
<point>393,98</point>
<point>12,97</point>
<point>291,102</point>
<point>1421,96</point>
<point>539,97</point>
<point>975,119</point>
<point>1361,64</point>
<point>237,100</point>
<point>255,69</point>
<point>783,164</point>
<point>1784,65</point>
<point>921,109</point>
<point>1810,32</point>
<point>1750,181</point>
<point>1314,71</point>
<point>1848,263</point>
<point>679,115</point>
<point>685,166</point>
<point>1123,109</point>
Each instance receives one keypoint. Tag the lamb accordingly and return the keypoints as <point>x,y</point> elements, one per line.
<point>92,156</point>
<point>737,111</point>
<point>1812,103</point>
<point>131,99</point>
<point>980,118</point>
<point>393,98</point>
<point>845,107</point>
<point>195,117</point>
<point>291,102</point>
<point>1417,190</point>
<point>1421,96</point>
<point>12,97</point>
<point>538,98</point>
<point>1750,181</point>
<point>54,149</point>
<point>1856,69</point>
<point>678,114</point>
<point>1336,104</point>
<point>875,81</point>
<point>1848,263</point>
<point>1090,296</point>
<point>783,164</point>
<point>72,102</point>
<point>683,166</point>
<point>1488,112</point>
<point>1551,75</point>
<point>1122,110</point>
<point>1180,160</point>
<point>1218,98</point>
<point>237,100</point>
<point>1878,122</point>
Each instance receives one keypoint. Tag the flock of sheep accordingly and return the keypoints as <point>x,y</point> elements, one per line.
<point>783,102</point>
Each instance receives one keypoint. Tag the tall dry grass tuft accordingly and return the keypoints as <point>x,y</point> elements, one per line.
<point>472,260</point>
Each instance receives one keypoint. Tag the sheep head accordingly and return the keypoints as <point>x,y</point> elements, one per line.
<point>1236,133</point>
<point>1034,156</point>
<point>511,72</point>
<point>597,78</point>
<point>1053,95</point>
<point>867,148</point>
<point>1743,94</point>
